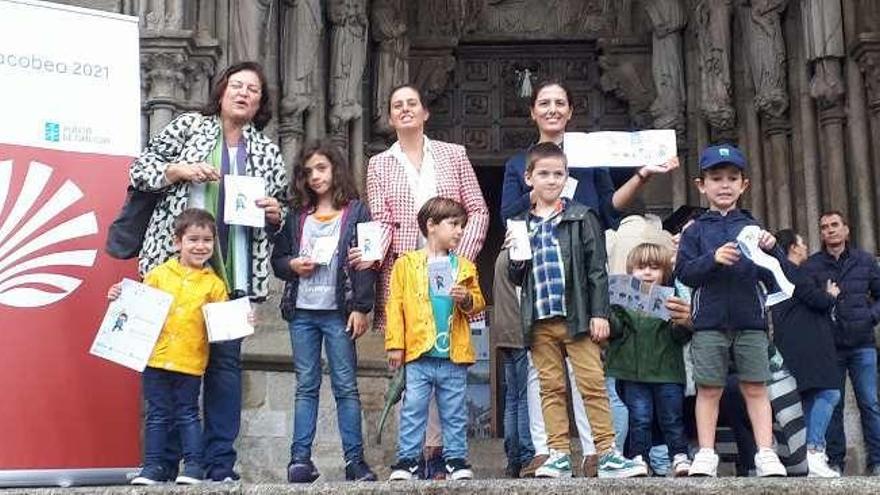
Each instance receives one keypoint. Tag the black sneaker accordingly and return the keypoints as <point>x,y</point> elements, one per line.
<point>405,470</point>
<point>302,472</point>
<point>358,470</point>
<point>458,469</point>
<point>221,475</point>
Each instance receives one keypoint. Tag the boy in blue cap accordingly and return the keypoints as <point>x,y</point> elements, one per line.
<point>728,309</point>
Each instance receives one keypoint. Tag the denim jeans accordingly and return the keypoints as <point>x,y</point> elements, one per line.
<point>619,414</point>
<point>448,381</point>
<point>308,329</point>
<point>643,401</point>
<point>819,404</point>
<point>222,405</point>
<point>172,400</point>
<point>517,438</point>
<point>861,364</point>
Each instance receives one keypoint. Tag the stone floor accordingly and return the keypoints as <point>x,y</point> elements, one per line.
<point>740,486</point>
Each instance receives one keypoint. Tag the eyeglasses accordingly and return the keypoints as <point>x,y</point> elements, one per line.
<point>252,89</point>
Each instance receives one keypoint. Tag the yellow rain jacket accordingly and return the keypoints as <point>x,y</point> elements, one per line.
<point>183,344</point>
<point>410,319</point>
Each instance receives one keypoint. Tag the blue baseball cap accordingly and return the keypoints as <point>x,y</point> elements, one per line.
<point>722,154</point>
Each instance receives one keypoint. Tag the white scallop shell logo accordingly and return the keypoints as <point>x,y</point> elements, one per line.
<point>29,265</point>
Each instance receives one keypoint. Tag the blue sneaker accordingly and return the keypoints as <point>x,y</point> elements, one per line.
<point>302,472</point>
<point>150,475</point>
<point>223,475</point>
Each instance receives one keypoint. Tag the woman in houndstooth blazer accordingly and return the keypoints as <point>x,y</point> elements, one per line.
<point>413,170</point>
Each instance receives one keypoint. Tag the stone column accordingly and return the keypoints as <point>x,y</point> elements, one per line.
<point>388,27</point>
<point>860,160</point>
<point>867,53</point>
<point>812,200</point>
<point>831,122</point>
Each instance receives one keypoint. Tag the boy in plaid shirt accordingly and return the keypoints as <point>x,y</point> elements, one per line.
<point>565,309</point>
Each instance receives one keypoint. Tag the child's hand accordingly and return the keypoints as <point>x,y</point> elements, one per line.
<point>727,254</point>
<point>395,359</point>
<point>252,318</point>
<point>599,329</point>
<point>303,266</point>
<point>114,291</point>
<point>357,324</point>
<point>832,289</point>
<point>354,260</point>
<point>461,296</point>
<point>679,311</point>
<point>767,241</point>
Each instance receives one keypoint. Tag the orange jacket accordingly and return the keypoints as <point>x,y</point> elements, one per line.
<point>183,344</point>
<point>410,319</point>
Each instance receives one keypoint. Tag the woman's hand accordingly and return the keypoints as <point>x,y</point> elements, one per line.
<point>191,172</point>
<point>303,266</point>
<point>114,291</point>
<point>395,359</point>
<point>662,168</point>
<point>272,209</point>
<point>354,260</point>
<point>357,324</point>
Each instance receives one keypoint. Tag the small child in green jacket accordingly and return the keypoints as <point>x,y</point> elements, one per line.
<point>645,357</point>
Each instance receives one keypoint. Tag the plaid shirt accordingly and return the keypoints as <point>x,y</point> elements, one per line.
<point>547,268</point>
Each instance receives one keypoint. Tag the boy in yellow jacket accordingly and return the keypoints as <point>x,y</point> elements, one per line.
<point>432,292</point>
<point>174,371</point>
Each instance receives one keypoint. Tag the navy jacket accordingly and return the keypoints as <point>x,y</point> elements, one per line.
<point>594,189</point>
<point>725,297</point>
<point>355,290</point>
<point>858,305</point>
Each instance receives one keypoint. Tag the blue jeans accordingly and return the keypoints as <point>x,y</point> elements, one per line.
<point>643,400</point>
<point>222,403</point>
<point>517,438</point>
<point>308,329</point>
<point>619,414</point>
<point>448,381</point>
<point>172,400</point>
<point>861,363</point>
<point>819,404</point>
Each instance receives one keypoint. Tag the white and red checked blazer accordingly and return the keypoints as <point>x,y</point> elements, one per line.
<point>391,203</point>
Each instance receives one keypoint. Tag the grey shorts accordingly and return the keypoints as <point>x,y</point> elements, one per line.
<point>712,351</point>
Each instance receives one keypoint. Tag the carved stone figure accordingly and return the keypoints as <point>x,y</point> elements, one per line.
<point>348,56</point>
<point>388,24</point>
<point>712,19</point>
<point>301,92</point>
<point>250,25</point>
<point>766,53</point>
<point>161,15</point>
<point>668,18</point>
<point>622,78</point>
<point>824,49</point>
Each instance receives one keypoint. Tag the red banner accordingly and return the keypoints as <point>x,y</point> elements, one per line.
<point>61,406</point>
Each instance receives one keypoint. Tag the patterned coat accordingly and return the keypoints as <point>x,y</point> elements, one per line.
<point>191,138</point>
<point>391,203</point>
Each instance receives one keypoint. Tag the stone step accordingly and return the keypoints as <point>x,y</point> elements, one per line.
<point>740,486</point>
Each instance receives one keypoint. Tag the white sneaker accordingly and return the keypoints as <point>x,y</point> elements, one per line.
<point>818,463</point>
<point>767,464</point>
<point>558,465</point>
<point>705,464</point>
<point>681,465</point>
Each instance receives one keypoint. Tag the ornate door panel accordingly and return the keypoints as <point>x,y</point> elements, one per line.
<point>486,105</point>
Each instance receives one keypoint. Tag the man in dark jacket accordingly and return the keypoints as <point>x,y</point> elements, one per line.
<point>857,311</point>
